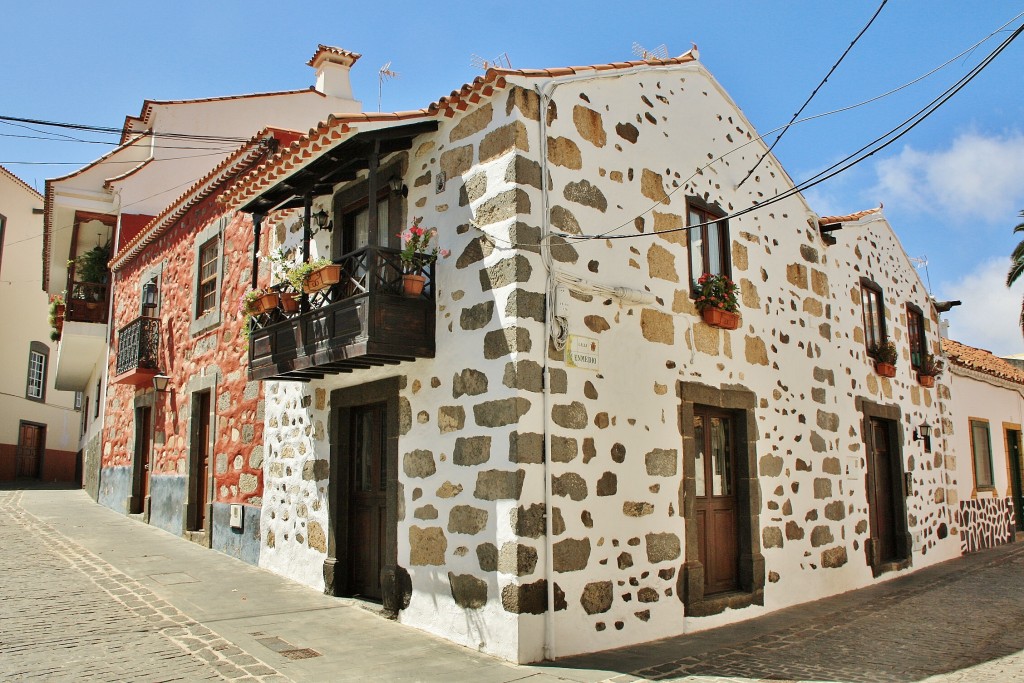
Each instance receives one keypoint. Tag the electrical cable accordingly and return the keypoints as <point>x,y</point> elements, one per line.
<point>839,167</point>
<point>814,92</point>
<point>120,131</point>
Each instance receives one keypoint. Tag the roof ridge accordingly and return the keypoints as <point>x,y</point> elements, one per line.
<point>19,181</point>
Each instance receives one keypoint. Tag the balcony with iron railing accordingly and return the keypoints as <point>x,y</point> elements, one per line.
<point>138,351</point>
<point>363,321</point>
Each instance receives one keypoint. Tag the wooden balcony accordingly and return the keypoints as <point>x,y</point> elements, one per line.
<point>363,321</point>
<point>138,351</point>
<point>87,302</point>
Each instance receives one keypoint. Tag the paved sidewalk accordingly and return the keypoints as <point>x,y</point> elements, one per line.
<point>87,594</point>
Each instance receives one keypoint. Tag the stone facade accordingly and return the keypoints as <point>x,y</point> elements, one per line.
<point>212,360</point>
<point>525,483</point>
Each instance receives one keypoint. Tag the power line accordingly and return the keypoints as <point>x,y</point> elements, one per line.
<point>103,142</point>
<point>835,169</point>
<point>120,131</point>
<point>814,92</point>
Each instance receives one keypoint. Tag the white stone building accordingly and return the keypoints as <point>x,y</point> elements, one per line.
<point>986,413</point>
<point>548,452</point>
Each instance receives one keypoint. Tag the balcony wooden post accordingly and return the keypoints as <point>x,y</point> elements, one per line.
<point>307,217</point>
<point>372,181</point>
<point>257,225</point>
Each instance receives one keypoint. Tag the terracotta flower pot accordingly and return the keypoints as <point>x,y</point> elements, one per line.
<point>267,302</point>
<point>289,302</point>
<point>927,381</point>
<point>412,284</point>
<point>885,369</point>
<point>322,278</point>
<point>717,317</point>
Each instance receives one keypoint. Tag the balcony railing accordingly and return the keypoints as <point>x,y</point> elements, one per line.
<point>362,321</point>
<point>138,346</point>
<point>86,303</point>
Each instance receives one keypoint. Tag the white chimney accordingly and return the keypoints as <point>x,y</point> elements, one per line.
<point>332,66</point>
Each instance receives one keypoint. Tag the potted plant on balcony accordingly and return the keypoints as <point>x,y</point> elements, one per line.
<point>56,316</point>
<point>315,275</point>
<point>717,301</point>
<point>253,303</point>
<point>91,269</point>
<point>931,367</point>
<point>281,263</point>
<point>885,356</point>
<point>417,254</point>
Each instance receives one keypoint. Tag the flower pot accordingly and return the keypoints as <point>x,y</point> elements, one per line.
<point>265,303</point>
<point>717,317</point>
<point>322,278</point>
<point>412,284</point>
<point>885,369</point>
<point>927,381</point>
<point>289,302</point>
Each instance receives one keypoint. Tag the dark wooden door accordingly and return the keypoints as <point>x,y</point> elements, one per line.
<point>367,500</point>
<point>202,456</point>
<point>29,458</point>
<point>143,448</point>
<point>882,491</point>
<point>1013,453</point>
<point>715,509</point>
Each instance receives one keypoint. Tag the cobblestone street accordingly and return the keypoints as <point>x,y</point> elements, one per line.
<point>90,595</point>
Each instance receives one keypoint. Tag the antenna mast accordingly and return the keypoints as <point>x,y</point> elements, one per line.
<point>383,74</point>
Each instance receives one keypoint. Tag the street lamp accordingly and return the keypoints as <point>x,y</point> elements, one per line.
<point>160,383</point>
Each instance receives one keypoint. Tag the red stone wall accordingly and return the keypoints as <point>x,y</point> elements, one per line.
<point>219,351</point>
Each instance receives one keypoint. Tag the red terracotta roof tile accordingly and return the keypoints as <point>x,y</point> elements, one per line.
<point>849,218</point>
<point>981,360</point>
<point>322,50</point>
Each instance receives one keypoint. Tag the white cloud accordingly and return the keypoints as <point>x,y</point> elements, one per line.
<point>988,318</point>
<point>976,177</point>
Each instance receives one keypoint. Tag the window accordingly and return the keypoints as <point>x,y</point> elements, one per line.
<point>36,386</point>
<point>915,332</point>
<point>96,408</point>
<point>981,452</point>
<point>78,400</point>
<point>206,296</point>
<point>874,314</point>
<point>709,243</point>
<point>208,262</point>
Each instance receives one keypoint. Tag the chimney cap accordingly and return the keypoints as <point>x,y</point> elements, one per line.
<point>326,53</point>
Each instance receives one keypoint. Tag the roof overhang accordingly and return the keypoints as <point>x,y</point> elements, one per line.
<point>338,164</point>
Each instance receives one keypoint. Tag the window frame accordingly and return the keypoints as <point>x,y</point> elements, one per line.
<point>882,335</point>
<point>203,321</point>
<point>916,338</point>
<point>973,422</point>
<point>710,213</point>
<point>43,351</point>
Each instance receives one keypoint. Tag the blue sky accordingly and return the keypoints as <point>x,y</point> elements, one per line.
<point>952,188</point>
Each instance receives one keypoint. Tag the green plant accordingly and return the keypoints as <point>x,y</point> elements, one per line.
<point>884,352</point>
<point>54,335</point>
<point>92,265</point>
<point>247,302</point>
<point>717,291</point>
<point>298,275</point>
<point>931,366</point>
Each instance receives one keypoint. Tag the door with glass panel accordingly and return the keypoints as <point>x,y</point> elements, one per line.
<point>367,500</point>
<point>715,509</point>
<point>357,235</point>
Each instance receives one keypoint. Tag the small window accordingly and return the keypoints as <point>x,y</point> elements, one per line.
<point>874,314</point>
<point>96,407</point>
<point>206,296</point>
<point>36,386</point>
<point>3,230</point>
<point>708,242</point>
<point>915,333</point>
<point>78,400</point>
<point>981,451</point>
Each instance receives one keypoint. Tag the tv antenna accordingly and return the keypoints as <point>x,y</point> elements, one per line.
<point>501,61</point>
<point>660,52</point>
<point>384,74</point>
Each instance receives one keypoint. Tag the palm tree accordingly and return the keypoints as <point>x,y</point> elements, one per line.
<point>1017,266</point>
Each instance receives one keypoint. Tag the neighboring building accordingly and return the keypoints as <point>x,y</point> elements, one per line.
<point>96,211</point>
<point>986,411</point>
<point>38,424</point>
<point>548,452</point>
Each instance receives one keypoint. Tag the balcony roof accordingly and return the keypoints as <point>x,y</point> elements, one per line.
<point>336,165</point>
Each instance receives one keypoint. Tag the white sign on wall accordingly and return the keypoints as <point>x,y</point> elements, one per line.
<point>582,352</point>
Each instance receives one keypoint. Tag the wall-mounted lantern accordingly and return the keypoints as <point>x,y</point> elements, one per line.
<point>323,221</point>
<point>149,296</point>
<point>160,383</point>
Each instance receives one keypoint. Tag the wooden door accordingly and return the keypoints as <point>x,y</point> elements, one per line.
<point>201,444</point>
<point>715,509</point>
<point>882,492</point>
<point>143,448</point>
<point>29,458</point>
<point>367,500</point>
<point>1013,453</point>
